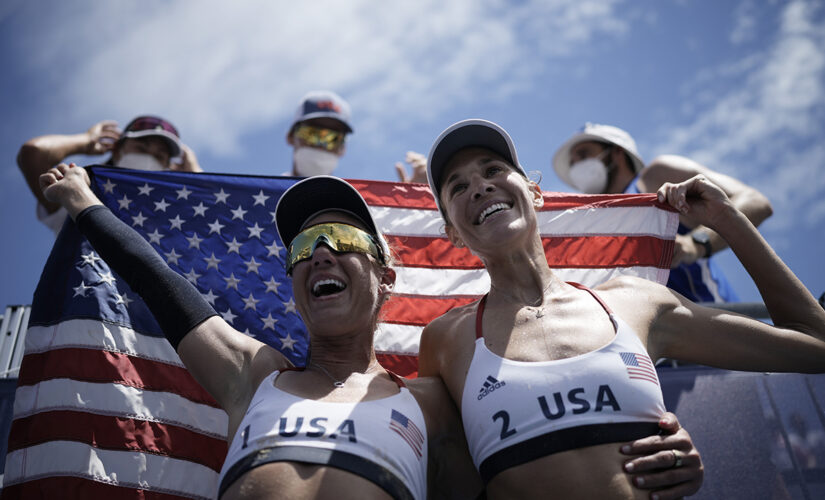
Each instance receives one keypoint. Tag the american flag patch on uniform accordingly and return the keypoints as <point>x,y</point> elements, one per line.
<point>407,429</point>
<point>639,366</point>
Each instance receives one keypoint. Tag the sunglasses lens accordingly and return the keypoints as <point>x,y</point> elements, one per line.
<point>341,238</point>
<point>320,137</point>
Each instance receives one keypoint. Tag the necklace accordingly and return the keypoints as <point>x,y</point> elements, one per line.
<point>539,308</point>
<point>337,383</point>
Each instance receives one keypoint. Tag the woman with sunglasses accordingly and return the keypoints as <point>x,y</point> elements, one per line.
<point>559,355</point>
<point>343,427</point>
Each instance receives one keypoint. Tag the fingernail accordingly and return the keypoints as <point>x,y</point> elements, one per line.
<point>628,467</point>
<point>626,448</point>
<point>640,481</point>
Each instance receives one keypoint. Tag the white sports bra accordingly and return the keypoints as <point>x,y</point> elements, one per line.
<point>515,411</point>
<point>383,440</point>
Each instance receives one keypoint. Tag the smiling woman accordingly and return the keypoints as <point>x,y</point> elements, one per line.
<point>343,427</point>
<point>551,376</point>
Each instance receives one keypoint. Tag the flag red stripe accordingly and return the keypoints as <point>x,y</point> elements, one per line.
<point>568,251</point>
<point>91,365</point>
<point>434,253</point>
<point>608,251</point>
<point>400,364</point>
<point>76,487</point>
<point>117,433</point>
<point>391,194</point>
<point>419,311</point>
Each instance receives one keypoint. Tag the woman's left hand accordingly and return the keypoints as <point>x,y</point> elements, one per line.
<point>698,198</point>
<point>667,464</point>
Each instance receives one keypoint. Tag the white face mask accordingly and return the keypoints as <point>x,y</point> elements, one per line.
<point>314,161</point>
<point>589,176</point>
<point>140,161</point>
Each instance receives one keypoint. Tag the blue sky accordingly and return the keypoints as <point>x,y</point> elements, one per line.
<point>736,85</point>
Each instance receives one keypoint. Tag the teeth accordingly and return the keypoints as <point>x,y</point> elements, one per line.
<point>316,288</point>
<point>490,210</point>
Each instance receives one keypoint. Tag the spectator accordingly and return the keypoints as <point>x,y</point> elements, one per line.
<point>318,133</point>
<point>147,143</point>
<point>604,159</point>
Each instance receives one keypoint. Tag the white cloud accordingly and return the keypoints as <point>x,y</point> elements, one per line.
<point>766,129</point>
<point>220,70</point>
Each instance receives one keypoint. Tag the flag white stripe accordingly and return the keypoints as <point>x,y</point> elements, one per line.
<point>94,334</point>
<point>446,282</point>
<point>117,399</point>
<point>392,338</point>
<point>119,468</point>
<point>629,221</point>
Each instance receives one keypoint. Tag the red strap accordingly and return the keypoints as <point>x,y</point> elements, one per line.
<point>397,379</point>
<point>479,314</point>
<point>591,292</point>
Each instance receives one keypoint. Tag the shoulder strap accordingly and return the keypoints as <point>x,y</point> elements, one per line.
<point>397,379</point>
<point>591,292</point>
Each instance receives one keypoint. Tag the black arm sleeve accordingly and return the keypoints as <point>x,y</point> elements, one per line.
<point>176,304</point>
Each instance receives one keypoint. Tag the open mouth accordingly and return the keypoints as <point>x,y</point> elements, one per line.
<point>492,209</point>
<point>325,287</point>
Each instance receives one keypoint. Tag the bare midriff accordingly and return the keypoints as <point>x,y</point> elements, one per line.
<point>298,481</point>
<point>592,472</point>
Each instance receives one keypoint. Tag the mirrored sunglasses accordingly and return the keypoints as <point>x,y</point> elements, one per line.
<point>320,137</point>
<point>339,237</point>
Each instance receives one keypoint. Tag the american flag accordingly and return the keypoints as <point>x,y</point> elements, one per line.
<point>104,406</point>
<point>639,366</point>
<point>407,429</point>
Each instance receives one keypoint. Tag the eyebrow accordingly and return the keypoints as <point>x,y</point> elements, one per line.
<point>482,161</point>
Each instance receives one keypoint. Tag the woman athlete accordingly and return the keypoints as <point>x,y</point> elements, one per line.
<point>539,368</point>
<point>343,427</point>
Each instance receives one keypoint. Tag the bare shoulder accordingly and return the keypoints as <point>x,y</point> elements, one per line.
<point>637,299</point>
<point>669,168</point>
<point>428,391</point>
<point>448,328</point>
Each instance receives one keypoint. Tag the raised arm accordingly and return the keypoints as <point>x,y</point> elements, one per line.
<point>674,169</point>
<point>39,154</point>
<point>226,362</point>
<point>684,330</point>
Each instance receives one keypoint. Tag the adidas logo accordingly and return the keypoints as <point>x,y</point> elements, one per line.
<point>490,385</point>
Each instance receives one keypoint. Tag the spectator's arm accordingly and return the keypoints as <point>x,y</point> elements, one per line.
<point>672,168</point>
<point>41,153</point>
<point>188,161</point>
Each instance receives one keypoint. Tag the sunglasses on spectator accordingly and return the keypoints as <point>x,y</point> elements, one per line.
<point>339,237</point>
<point>318,137</point>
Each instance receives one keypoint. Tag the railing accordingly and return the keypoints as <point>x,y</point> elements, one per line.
<point>13,324</point>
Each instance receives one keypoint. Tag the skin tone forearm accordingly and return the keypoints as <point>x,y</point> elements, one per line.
<point>40,154</point>
<point>796,340</point>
